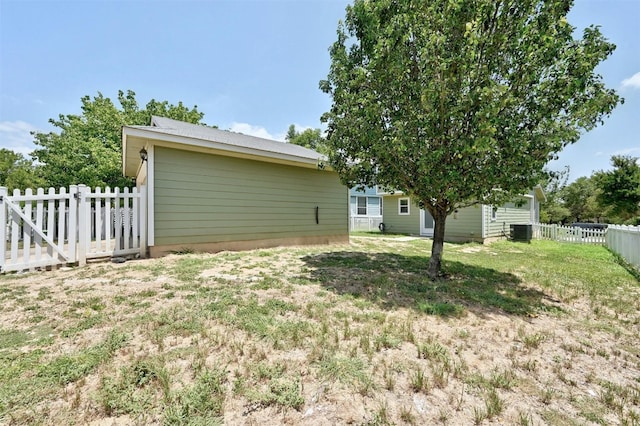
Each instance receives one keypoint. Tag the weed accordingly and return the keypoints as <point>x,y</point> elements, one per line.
<point>533,340</point>
<point>283,392</point>
<point>493,404</point>
<point>419,381</point>
<point>407,416</point>
<point>479,415</point>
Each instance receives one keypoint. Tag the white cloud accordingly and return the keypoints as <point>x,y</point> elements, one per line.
<point>16,136</point>
<point>258,131</point>
<point>632,82</point>
<point>627,151</point>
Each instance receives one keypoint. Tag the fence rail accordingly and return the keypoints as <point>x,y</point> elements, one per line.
<point>568,234</point>
<point>625,241</point>
<point>46,229</point>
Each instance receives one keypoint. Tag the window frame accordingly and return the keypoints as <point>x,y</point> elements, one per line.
<point>366,206</point>
<point>494,213</point>
<point>400,206</point>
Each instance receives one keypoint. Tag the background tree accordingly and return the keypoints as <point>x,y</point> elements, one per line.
<point>553,209</point>
<point>580,198</point>
<point>459,102</point>
<point>620,187</point>
<point>309,138</point>
<point>87,149</point>
<point>16,171</point>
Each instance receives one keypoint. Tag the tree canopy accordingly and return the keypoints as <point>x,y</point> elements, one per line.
<point>308,138</point>
<point>87,149</point>
<point>17,172</point>
<point>620,187</point>
<point>462,101</point>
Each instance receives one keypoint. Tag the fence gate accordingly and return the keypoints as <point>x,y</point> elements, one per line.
<point>47,229</point>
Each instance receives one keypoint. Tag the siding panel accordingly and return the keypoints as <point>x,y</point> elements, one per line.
<point>401,224</point>
<point>507,215</point>
<point>202,198</point>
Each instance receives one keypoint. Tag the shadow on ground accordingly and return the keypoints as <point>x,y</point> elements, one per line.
<point>392,280</point>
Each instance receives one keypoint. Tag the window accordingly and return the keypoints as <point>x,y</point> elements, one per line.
<point>494,213</point>
<point>403,206</point>
<point>361,206</point>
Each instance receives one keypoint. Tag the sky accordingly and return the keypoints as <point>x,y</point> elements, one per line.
<point>250,66</point>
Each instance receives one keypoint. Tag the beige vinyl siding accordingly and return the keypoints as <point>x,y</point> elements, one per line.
<point>203,198</point>
<point>401,224</point>
<point>466,225</point>
<point>506,215</point>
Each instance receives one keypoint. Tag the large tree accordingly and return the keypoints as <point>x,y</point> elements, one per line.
<point>87,149</point>
<point>456,102</point>
<point>620,187</point>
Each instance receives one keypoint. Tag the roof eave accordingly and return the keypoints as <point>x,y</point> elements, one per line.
<point>219,147</point>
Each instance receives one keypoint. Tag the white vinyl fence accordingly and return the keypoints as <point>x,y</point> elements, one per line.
<point>568,234</point>
<point>364,223</point>
<point>625,241</point>
<point>65,227</point>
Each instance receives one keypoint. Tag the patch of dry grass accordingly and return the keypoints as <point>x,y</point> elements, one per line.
<point>516,334</point>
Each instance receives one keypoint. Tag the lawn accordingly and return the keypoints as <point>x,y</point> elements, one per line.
<point>528,334</point>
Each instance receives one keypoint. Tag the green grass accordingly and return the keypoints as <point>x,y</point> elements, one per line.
<point>278,333</point>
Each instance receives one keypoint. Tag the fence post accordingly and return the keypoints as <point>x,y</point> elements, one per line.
<point>3,226</point>
<point>72,229</point>
<point>82,225</point>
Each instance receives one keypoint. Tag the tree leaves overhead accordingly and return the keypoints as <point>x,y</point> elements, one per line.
<point>456,102</point>
<point>87,149</point>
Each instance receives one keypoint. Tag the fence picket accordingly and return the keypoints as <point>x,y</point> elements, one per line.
<point>3,226</point>
<point>126,219</point>
<point>26,239</point>
<point>51,211</point>
<point>108,221</point>
<point>98,225</point>
<point>118,219</point>
<point>39,221</point>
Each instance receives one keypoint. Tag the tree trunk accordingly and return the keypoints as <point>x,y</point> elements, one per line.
<point>435,262</point>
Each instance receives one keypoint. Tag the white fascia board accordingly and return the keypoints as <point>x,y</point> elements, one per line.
<point>219,147</point>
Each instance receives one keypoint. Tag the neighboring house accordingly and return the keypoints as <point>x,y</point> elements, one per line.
<point>212,190</point>
<point>479,223</point>
<point>365,209</point>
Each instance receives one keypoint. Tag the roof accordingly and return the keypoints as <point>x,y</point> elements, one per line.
<point>168,131</point>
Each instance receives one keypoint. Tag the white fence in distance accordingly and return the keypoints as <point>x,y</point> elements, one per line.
<point>568,234</point>
<point>364,223</point>
<point>625,241</point>
<point>65,227</point>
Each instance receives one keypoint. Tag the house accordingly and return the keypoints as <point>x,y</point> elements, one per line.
<point>365,209</point>
<point>482,222</point>
<point>210,190</point>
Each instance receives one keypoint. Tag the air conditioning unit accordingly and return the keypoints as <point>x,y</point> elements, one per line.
<point>521,233</point>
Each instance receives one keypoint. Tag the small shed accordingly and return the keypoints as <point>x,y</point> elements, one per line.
<point>213,190</point>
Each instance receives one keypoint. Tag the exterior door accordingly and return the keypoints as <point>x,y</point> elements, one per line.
<point>426,223</point>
